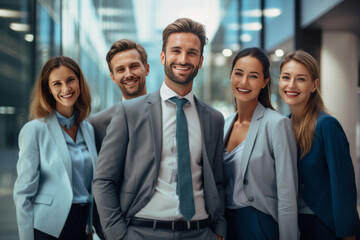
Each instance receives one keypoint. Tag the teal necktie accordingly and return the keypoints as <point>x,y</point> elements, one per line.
<point>184,184</point>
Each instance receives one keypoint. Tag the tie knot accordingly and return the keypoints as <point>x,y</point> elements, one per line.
<point>180,102</point>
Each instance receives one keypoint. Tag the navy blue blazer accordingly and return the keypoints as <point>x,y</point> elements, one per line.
<point>327,179</point>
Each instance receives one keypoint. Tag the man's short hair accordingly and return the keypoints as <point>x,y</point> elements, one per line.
<point>185,25</point>
<point>124,45</point>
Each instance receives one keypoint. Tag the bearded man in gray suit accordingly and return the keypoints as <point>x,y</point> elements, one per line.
<point>137,183</point>
<point>127,61</point>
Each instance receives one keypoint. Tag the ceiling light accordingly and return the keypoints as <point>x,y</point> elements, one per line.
<point>227,52</point>
<point>245,37</point>
<point>272,12</point>
<point>6,13</point>
<point>20,27</point>
<point>254,26</point>
<point>29,37</point>
<point>279,53</point>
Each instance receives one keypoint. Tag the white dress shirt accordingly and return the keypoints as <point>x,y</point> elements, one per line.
<point>164,204</point>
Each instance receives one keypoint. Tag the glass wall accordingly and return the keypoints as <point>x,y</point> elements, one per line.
<point>16,64</point>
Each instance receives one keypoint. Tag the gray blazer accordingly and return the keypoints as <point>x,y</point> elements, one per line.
<point>128,165</point>
<point>100,122</point>
<point>270,176</point>
<point>43,189</point>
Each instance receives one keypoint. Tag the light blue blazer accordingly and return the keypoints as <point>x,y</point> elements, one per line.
<point>43,189</point>
<point>270,175</point>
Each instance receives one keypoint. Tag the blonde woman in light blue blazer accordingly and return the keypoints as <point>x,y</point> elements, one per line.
<point>259,157</point>
<point>52,192</point>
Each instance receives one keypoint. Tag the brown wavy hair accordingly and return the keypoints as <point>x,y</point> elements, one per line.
<point>43,103</point>
<point>315,104</point>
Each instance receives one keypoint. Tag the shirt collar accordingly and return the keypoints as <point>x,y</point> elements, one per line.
<point>166,93</point>
<point>66,122</point>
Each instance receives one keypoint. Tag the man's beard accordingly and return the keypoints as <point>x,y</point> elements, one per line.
<point>171,75</point>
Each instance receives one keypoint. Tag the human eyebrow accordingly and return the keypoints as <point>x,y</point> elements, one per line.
<point>255,73</point>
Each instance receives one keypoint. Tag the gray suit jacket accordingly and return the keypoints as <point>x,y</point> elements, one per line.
<point>129,161</point>
<point>100,122</point>
<point>270,176</point>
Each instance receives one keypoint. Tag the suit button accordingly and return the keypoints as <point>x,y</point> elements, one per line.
<point>246,181</point>
<point>251,199</point>
<point>302,186</point>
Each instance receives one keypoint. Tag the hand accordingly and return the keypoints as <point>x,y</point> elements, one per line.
<point>221,238</point>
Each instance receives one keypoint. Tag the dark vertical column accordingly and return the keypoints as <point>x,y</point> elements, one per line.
<point>262,21</point>
<point>33,22</point>
<point>61,27</point>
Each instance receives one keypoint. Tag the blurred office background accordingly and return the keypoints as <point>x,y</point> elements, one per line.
<point>32,31</point>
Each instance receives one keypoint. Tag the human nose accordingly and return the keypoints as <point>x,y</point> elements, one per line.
<point>182,58</point>
<point>66,87</point>
<point>128,73</point>
<point>291,83</point>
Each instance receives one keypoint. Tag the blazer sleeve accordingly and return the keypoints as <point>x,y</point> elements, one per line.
<point>108,175</point>
<point>285,154</point>
<point>26,184</point>
<point>342,177</point>
<point>219,225</point>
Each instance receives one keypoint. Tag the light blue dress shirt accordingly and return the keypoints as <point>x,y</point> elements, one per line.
<point>234,192</point>
<point>82,169</point>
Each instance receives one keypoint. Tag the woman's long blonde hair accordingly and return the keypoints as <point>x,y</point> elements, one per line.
<point>314,106</point>
<point>43,103</point>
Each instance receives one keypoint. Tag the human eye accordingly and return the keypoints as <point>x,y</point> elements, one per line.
<point>301,79</point>
<point>238,73</point>
<point>134,66</point>
<point>254,76</point>
<point>285,77</point>
<point>119,70</point>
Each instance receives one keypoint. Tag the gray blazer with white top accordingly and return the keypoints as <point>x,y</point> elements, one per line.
<point>270,175</point>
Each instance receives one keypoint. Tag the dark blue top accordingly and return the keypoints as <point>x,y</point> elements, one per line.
<point>327,179</point>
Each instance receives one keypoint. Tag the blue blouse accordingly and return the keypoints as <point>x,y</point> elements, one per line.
<point>82,169</point>
<point>234,192</point>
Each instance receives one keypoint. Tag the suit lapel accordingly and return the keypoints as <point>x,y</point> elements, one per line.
<point>251,136</point>
<point>59,143</point>
<point>155,117</point>
<point>205,126</point>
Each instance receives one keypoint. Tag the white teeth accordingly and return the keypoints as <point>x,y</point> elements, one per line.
<point>291,93</point>
<point>243,90</point>
<point>69,95</point>
<point>182,68</point>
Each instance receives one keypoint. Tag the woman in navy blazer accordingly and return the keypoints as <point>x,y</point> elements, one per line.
<point>52,192</point>
<point>327,190</point>
<point>259,157</point>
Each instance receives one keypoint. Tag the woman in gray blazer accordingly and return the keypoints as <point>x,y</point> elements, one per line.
<point>52,192</point>
<point>259,157</point>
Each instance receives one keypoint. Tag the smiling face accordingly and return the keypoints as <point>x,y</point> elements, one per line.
<point>64,87</point>
<point>247,80</point>
<point>129,73</point>
<point>296,85</point>
<point>182,59</point>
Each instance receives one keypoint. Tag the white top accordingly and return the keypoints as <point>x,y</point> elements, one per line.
<point>164,204</point>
